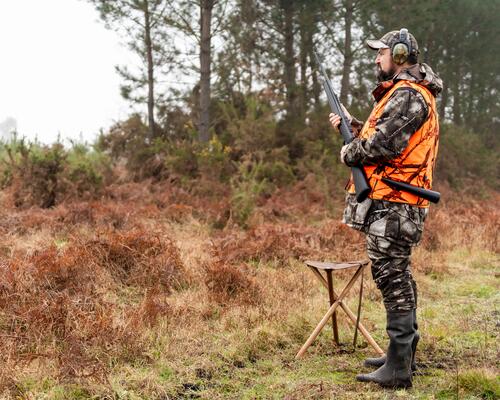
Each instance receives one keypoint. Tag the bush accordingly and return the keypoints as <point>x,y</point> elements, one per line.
<point>43,175</point>
<point>88,170</point>
<point>65,303</point>
<point>464,159</point>
<point>248,127</point>
<point>247,187</point>
<point>123,138</point>
<point>173,157</point>
<point>214,160</point>
<point>227,283</point>
<point>129,141</point>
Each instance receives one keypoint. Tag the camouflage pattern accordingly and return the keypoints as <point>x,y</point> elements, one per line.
<point>391,228</point>
<point>394,130</point>
<point>356,126</point>
<point>391,272</point>
<point>389,40</point>
<point>404,113</point>
<point>423,75</point>
<point>394,221</point>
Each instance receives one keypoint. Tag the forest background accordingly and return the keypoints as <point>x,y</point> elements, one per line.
<point>229,178</point>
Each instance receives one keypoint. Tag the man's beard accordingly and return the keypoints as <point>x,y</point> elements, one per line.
<point>385,76</point>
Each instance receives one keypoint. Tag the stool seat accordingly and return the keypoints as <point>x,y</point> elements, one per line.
<point>335,265</point>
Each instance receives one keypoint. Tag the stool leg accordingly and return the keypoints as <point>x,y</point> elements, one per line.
<point>356,325</point>
<point>348,312</point>
<point>332,300</point>
<point>328,315</point>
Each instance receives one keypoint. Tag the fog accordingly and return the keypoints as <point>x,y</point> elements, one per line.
<point>57,72</point>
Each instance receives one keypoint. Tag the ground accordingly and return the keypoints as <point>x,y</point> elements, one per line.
<point>147,295</point>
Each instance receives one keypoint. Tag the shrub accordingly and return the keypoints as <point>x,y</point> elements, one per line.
<point>65,304</point>
<point>123,138</point>
<point>88,170</point>
<point>139,258</point>
<point>181,159</point>
<point>44,175</point>
<point>229,283</point>
<point>247,187</point>
<point>249,127</point>
<point>275,167</point>
<point>464,160</point>
<point>129,141</point>
<point>214,160</point>
<point>36,171</point>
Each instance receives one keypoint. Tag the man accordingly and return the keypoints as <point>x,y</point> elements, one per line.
<point>399,141</point>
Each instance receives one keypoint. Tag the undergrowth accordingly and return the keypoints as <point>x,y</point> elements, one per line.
<point>143,287</point>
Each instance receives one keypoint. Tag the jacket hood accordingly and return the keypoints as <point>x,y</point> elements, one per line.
<point>423,75</point>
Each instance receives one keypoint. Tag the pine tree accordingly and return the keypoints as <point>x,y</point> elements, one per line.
<point>141,23</point>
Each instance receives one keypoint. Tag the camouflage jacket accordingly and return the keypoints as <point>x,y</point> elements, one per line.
<point>403,115</point>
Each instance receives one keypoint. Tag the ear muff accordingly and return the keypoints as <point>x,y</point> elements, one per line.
<point>401,50</point>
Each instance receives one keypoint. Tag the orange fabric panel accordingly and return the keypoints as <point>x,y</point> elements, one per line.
<point>416,164</point>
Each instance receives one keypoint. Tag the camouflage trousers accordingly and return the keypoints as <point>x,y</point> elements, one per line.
<point>391,272</point>
<point>391,232</point>
<point>391,229</point>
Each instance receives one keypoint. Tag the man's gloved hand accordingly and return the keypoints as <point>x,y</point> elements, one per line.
<point>343,152</point>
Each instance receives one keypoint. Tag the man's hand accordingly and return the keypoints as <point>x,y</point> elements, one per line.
<point>335,119</point>
<point>343,152</point>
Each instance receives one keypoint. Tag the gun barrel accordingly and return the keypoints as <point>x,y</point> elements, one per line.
<point>361,184</point>
<point>345,128</point>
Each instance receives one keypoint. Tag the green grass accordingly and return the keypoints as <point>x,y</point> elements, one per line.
<point>244,353</point>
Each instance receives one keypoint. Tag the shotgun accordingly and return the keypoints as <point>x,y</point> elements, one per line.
<point>361,185</point>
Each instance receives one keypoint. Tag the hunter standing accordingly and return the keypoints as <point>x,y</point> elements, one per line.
<point>398,141</point>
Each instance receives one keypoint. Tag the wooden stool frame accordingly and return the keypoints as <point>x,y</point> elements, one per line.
<point>336,301</point>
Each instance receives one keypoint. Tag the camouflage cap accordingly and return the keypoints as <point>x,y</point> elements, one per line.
<point>389,39</point>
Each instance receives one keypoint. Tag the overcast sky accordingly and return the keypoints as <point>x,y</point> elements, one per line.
<point>57,69</point>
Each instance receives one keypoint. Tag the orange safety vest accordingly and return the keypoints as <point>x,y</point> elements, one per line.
<point>415,164</point>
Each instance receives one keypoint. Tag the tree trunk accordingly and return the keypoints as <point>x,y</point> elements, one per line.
<point>442,103</point>
<point>469,114</point>
<point>316,87</point>
<point>455,88</point>
<point>346,70</point>
<point>206,7</point>
<point>149,60</point>
<point>305,26</point>
<point>290,72</point>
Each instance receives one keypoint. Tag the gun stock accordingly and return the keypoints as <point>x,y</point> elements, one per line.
<point>361,184</point>
<point>426,194</point>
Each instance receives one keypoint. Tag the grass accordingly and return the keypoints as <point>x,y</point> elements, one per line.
<point>123,335</point>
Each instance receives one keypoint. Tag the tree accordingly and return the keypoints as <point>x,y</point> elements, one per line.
<point>238,61</point>
<point>347,51</point>
<point>457,47</point>
<point>210,16</point>
<point>142,24</point>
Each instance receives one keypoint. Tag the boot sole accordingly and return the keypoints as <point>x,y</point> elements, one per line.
<point>402,385</point>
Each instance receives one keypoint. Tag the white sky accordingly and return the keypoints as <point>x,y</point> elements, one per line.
<point>57,69</point>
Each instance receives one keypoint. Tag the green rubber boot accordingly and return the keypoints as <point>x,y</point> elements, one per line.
<point>396,372</point>
<point>379,361</point>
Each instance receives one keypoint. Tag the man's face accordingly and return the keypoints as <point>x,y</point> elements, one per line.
<point>385,66</point>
